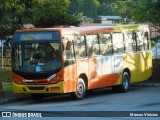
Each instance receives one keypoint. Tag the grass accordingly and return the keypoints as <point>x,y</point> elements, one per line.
<point>7,88</point>
<point>5,76</point>
<point>5,79</point>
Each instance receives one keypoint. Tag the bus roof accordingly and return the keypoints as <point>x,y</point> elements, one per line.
<point>89,29</point>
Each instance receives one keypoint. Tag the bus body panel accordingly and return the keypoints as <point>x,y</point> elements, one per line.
<point>82,67</point>
<point>29,89</point>
<point>132,62</point>
<point>70,78</point>
<point>140,65</point>
<point>100,71</point>
<point>104,71</point>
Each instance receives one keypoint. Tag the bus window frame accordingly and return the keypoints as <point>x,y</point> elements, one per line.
<point>115,53</point>
<point>134,38</point>
<point>75,46</point>
<point>93,45</point>
<point>100,43</point>
<point>147,39</point>
<point>139,50</point>
<point>66,63</point>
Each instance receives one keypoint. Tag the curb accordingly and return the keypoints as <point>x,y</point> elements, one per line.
<point>145,85</point>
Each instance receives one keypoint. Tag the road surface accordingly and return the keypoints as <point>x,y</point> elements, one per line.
<point>138,101</point>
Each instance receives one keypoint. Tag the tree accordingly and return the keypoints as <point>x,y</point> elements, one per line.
<point>54,12</point>
<point>105,9</point>
<point>149,12</point>
<point>91,8</point>
<point>88,7</point>
<point>144,11</point>
<point>41,13</point>
<point>73,6</point>
<point>13,15</point>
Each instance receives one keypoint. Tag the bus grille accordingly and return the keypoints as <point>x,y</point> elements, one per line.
<point>36,88</point>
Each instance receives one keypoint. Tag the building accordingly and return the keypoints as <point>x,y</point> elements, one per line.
<point>86,19</point>
<point>6,59</point>
<point>108,19</point>
<point>5,54</point>
<point>154,31</point>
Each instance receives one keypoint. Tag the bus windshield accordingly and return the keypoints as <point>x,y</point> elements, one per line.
<point>37,52</point>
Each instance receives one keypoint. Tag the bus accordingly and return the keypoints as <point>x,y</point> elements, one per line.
<point>76,59</point>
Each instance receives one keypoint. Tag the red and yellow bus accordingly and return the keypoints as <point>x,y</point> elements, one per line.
<point>77,59</point>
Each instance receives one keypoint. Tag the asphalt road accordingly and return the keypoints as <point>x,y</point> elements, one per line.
<point>139,100</point>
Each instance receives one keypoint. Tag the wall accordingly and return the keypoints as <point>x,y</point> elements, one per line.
<point>7,59</point>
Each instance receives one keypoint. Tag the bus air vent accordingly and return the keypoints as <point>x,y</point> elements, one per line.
<point>36,88</point>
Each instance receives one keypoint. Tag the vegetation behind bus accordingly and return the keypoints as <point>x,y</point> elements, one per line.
<point>143,11</point>
<point>41,13</point>
<point>47,13</point>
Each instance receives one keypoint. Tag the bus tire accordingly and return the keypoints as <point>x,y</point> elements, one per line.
<point>80,89</point>
<point>37,97</point>
<point>124,87</point>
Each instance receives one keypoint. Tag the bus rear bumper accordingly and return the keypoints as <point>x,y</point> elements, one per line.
<point>51,88</point>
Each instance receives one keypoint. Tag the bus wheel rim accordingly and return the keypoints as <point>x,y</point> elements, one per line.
<point>125,82</point>
<point>80,89</point>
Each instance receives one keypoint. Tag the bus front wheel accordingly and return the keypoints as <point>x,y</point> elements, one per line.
<point>80,89</point>
<point>124,86</point>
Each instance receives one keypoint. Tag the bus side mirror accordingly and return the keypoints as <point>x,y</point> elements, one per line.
<point>68,45</point>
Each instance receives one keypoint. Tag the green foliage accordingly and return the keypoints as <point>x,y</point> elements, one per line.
<point>145,11</point>
<point>41,13</point>
<point>105,9</point>
<point>7,88</point>
<point>91,8</point>
<point>73,7</point>
<point>155,39</point>
<point>54,13</point>
<point>88,7</point>
<point>5,76</point>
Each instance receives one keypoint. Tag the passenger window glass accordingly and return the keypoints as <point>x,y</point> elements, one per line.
<point>118,43</point>
<point>128,42</point>
<point>140,46</point>
<point>92,40</point>
<point>146,40</point>
<point>134,43</point>
<point>69,57</point>
<point>92,44</point>
<point>105,44</point>
<point>80,46</point>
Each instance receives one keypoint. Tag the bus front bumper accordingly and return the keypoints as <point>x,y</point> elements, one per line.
<point>51,88</point>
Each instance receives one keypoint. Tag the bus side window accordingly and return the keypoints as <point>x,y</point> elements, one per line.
<point>105,44</point>
<point>118,43</point>
<point>92,44</point>
<point>134,43</point>
<point>80,47</point>
<point>128,42</point>
<point>140,45</point>
<point>69,57</point>
<point>146,41</point>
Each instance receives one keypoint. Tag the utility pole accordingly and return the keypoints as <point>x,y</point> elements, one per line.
<point>1,87</point>
<point>2,42</point>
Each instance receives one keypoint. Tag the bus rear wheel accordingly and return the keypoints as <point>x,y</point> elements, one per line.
<point>80,90</point>
<point>37,97</point>
<point>124,87</point>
